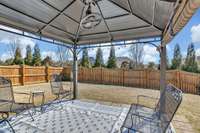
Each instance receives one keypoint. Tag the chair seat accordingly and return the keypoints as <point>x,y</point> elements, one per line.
<point>135,123</point>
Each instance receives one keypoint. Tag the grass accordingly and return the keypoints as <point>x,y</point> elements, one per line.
<point>186,120</point>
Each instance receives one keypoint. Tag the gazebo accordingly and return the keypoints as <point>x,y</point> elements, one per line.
<point>79,24</point>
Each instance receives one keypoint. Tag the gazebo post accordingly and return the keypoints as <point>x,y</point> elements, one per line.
<point>163,64</point>
<point>75,71</point>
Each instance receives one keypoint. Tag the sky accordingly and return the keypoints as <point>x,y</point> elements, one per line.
<point>189,34</point>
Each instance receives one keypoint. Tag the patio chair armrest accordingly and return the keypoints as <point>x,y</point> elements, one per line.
<point>148,98</point>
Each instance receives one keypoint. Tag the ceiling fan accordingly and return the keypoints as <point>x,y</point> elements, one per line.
<point>92,18</point>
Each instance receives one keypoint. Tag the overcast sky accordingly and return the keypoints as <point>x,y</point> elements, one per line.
<point>190,33</point>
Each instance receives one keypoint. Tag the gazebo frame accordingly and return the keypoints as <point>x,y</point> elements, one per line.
<point>182,12</point>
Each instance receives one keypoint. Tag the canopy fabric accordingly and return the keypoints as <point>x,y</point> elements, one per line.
<point>60,19</point>
<point>185,11</point>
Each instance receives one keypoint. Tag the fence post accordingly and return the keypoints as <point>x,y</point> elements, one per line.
<point>178,76</point>
<point>177,79</point>
<point>123,77</point>
<point>47,73</point>
<point>198,89</point>
<point>22,74</point>
<point>65,73</point>
<point>147,78</point>
<point>101,75</point>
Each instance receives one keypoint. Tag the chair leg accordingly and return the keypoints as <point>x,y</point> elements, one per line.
<point>57,97</point>
<point>30,115</point>
<point>70,97</point>
<point>10,126</point>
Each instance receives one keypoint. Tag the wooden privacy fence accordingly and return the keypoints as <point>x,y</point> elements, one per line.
<point>23,75</point>
<point>145,78</point>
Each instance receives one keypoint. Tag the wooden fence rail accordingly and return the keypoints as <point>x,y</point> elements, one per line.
<point>22,75</point>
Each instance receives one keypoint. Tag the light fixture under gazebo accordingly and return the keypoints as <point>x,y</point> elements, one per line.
<point>92,19</point>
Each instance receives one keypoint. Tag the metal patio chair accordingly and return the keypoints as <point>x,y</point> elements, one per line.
<point>8,103</point>
<point>145,119</point>
<point>57,87</point>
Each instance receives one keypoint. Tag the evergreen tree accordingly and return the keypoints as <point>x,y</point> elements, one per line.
<point>28,58</point>
<point>47,61</point>
<point>8,61</point>
<point>99,58</point>
<point>190,64</point>
<point>151,65</point>
<point>18,57</point>
<point>36,56</point>
<point>112,58</point>
<point>85,62</point>
<point>176,61</point>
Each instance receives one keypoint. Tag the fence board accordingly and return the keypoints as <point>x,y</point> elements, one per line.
<point>34,75</point>
<point>12,72</point>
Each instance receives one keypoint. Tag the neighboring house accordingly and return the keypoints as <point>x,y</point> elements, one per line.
<point>125,65</point>
<point>123,62</point>
<point>91,59</point>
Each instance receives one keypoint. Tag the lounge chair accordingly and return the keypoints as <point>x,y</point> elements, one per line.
<point>145,119</point>
<point>8,103</point>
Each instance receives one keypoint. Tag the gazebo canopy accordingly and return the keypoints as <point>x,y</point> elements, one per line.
<point>60,19</point>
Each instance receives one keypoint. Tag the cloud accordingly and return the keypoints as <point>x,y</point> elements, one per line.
<point>150,54</point>
<point>122,51</point>
<point>5,56</point>
<point>198,52</point>
<point>7,38</point>
<point>24,42</point>
<point>92,53</point>
<point>106,53</point>
<point>51,54</point>
<point>195,33</point>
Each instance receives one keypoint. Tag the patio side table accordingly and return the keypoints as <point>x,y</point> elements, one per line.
<point>35,94</point>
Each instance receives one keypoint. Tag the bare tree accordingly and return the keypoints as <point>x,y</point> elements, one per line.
<point>136,54</point>
<point>63,54</point>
